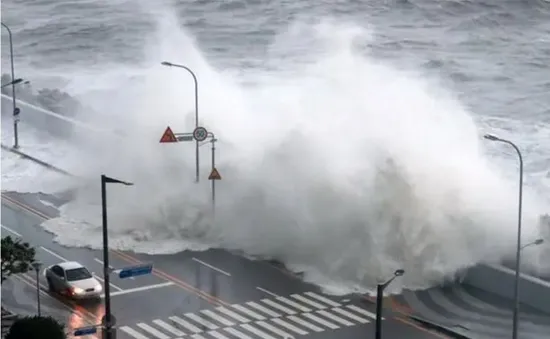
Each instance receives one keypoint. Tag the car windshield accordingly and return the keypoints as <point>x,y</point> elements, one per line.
<point>78,274</point>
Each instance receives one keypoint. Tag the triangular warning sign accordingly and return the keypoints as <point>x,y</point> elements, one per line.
<point>214,175</point>
<point>168,136</point>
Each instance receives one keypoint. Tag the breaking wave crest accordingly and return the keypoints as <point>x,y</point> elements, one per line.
<point>333,162</point>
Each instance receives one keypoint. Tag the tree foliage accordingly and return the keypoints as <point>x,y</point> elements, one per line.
<point>17,257</point>
<point>36,327</point>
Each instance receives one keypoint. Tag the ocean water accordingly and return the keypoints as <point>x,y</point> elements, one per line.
<point>350,132</point>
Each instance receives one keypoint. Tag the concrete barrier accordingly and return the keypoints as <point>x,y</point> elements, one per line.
<point>500,281</point>
<point>58,125</point>
<point>31,115</point>
<point>36,160</point>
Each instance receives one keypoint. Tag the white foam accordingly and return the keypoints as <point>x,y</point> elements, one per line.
<point>345,168</point>
<point>26,176</point>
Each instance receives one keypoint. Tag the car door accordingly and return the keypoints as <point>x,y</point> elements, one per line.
<point>58,278</point>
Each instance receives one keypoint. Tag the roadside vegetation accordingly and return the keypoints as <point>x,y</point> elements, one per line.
<point>17,258</point>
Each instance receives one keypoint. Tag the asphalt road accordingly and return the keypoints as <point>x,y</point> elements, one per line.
<point>214,294</point>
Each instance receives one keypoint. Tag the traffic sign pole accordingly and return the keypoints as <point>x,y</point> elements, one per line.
<point>213,141</point>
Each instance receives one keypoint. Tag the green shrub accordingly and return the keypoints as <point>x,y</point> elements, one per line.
<point>36,327</point>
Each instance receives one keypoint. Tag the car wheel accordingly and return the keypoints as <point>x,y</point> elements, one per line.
<point>50,285</point>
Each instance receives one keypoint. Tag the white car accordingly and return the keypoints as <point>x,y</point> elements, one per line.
<point>73,280</point>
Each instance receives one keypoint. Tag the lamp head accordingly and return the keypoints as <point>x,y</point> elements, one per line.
<point>399,272</point>
<point>36,265</point>
<point>166,63</point>
<point>538,242</point>
<point>491,137</point>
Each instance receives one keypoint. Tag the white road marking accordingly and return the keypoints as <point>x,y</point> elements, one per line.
<point>142,288</point>
<point>133,333</point>
<point>217,317</point>
<point>197,336</point>
<point>289,326</point>
<point>217,335</point>
<point>152,330</point>
<point>10,230</point>
<point>201,321</point>
<point>232,314</point>
<point>294,304</point>
<point>263,309</point>
<point>101,263</point>
<point>168,327</point>
<point>351,315</point>
<point>103,281</point>
<point>362,311</point>
<point>248,312</point>
<point>323,299</point>
<point>212,267</point>
<point>257,331</point>
<point>237,333</point>
<point>53,253</point>
<point>320,321</point>
<point>185,324</point>
<point>277,306</point>
<point>268,292</point>
<point>274,329</point>
<point>335,318</point>
<point>308,301</point>
<point>306,324</point>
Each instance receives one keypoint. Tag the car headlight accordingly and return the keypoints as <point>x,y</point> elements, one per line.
<point>77,290</point>
<point>98,288</point>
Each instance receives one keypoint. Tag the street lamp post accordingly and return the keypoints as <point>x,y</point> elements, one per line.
<point>166,63</point>
<point>36,265</point>
<point>518,245</point>
<point>15,109</point>
<point>108,329</point>
<point>379,298</point>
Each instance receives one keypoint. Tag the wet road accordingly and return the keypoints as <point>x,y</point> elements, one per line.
<point>210,294</point>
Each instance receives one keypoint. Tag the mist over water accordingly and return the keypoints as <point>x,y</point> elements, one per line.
<point>332,161</point>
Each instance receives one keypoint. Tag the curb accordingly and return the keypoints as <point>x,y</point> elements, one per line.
<point>446,330</point>
<point>36,160</point>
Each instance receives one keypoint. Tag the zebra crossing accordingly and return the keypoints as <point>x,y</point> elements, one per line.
<point>269,318</point>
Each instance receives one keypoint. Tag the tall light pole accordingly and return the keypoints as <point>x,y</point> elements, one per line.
<point>15,109</point>
<point>36,265</point>
<point>379,298</point>
<point>166,63</point>
<point>518,245</point>
<point>108,329</point>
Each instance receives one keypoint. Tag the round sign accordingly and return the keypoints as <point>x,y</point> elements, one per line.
<point>200,134</point>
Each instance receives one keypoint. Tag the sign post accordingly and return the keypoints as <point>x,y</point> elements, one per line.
<point>214,174</point>
<point>199,134</point>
